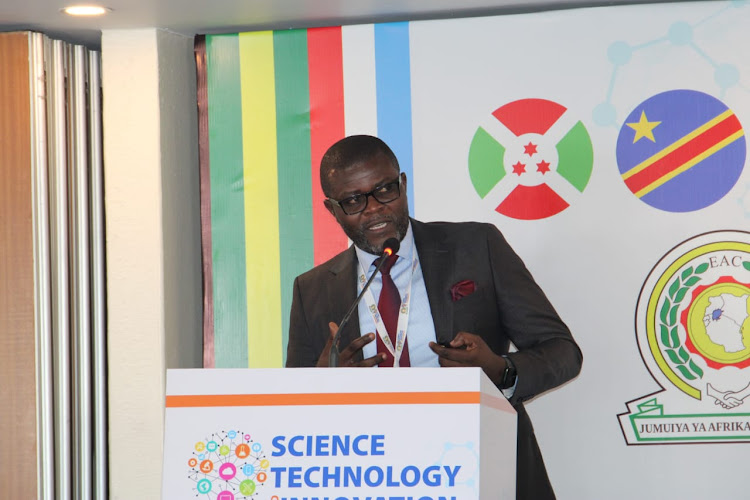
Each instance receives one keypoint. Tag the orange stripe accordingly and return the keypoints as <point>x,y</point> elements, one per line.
<point>382,398</point>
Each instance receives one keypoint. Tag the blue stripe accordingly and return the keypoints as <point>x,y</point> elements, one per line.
<point>393,91</point>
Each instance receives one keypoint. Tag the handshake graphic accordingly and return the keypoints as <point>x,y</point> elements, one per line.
<point>728,399</point>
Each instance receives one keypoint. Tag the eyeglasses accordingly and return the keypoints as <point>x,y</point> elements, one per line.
<point>357,203</point>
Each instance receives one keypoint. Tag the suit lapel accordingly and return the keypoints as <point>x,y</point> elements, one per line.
<point>342,293</point>
<point>437,268</point>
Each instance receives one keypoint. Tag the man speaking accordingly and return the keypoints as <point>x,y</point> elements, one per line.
<point>453,294</point>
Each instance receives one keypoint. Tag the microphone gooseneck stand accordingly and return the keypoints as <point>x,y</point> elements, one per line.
<point>390,247</point>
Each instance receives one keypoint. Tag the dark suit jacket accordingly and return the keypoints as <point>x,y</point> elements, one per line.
<point>507,306</point>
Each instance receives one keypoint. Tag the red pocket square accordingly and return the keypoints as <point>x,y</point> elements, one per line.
<point>462,289</point>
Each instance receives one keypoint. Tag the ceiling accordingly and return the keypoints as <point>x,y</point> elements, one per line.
<point>192,17</point>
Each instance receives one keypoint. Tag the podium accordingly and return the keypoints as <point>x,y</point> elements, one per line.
<point>337,434</point>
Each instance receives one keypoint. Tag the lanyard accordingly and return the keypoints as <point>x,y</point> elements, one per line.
<point>403,313</point>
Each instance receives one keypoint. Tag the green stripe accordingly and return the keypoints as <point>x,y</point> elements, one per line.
<point>485,162</point>
<point>294,157</point>
<point>576,156</point>
<point>227,201</point>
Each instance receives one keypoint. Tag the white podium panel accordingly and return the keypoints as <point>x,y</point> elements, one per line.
<point>337,434</point>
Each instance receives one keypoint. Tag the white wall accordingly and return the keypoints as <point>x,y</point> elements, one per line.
<point>153,242</point>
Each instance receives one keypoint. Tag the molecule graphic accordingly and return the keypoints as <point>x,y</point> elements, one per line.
<point>228,465</point>
<point>464,453</point>
<point>680,34</point>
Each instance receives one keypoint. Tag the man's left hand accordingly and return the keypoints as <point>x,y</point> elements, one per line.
<point>468,349</point>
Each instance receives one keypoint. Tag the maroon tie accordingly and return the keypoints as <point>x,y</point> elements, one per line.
<point>389,305</point>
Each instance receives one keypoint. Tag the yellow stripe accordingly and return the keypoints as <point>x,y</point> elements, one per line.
<point>685,166</point>
<point>664,152</point>
<point>261,200</point>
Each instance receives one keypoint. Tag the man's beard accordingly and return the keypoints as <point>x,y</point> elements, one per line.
<point>359,239</point>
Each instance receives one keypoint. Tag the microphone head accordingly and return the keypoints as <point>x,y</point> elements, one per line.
<point>391,246</point>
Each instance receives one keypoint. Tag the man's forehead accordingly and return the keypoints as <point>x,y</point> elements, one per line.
<point>361,169</point>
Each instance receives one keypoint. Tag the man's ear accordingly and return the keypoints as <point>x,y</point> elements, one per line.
<point>329,207</point>
<point>403,179</point>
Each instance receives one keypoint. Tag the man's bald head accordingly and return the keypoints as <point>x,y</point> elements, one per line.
<point>351,151</point>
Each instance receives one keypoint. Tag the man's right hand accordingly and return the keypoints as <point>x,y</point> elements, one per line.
<point>349,353</point>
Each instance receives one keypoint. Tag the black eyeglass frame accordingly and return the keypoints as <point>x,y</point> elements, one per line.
<point>367,195</point>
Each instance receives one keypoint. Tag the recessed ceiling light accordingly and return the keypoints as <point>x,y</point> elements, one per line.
<point>86,10</point>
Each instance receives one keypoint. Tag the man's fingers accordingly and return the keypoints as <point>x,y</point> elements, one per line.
<point>332,328</point>
<point>449,363</point>
<point>375,360</point>
<point>358,343</point>
<point>452,353</point>
<point>466,339</point>
<point>324,358</point>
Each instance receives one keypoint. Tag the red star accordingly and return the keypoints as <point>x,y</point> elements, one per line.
<point>542,167</point>
<point>519,168</point>
<point>530,149</point>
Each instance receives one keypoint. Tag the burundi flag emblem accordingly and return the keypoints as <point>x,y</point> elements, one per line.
<point>693,331</point>
<point>530,159</point>
<point>681,150</point>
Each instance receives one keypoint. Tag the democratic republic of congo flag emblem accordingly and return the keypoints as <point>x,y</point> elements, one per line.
<point>681,150</point>
<point>530,159</point>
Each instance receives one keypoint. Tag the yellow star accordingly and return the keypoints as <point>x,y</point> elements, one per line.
<point>643,128</point>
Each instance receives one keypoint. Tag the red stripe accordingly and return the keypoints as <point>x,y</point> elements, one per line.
<point>529,115</point>
<point>326,127</point>
<point>532,203</point>
<point>684,153</point>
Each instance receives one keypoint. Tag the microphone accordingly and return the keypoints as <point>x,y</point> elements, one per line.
<point>390,246</point>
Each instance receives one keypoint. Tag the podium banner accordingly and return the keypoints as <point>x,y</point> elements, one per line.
<point>343,434</point>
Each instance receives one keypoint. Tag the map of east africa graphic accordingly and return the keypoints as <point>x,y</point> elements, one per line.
<point>531,159</point>
<point>717,323</point>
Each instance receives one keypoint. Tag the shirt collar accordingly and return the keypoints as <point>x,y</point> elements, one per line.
<point>366,259</point>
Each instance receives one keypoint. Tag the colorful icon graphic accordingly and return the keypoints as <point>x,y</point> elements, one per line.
<point>681,150</point>
<point>531,159</point>
<point>227,466</point>
<point>227,471</point>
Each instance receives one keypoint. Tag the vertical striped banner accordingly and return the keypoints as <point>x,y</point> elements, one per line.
<point>227,201</point>
<point>360,93</point>
<point>393,77</point>
<point>276,101</point>
<point>261,199</point>
<point>327,126</point>
<point>294,158</point>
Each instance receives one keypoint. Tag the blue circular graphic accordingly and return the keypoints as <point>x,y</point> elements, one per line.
<point>681,150</point>
<point>619,53</point>
<point>727,75</point>
<point>680,33</point>
<point>248,470</point>
<point>605,114</point>
<point>204,486</point>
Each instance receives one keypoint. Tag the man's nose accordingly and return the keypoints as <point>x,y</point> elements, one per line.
<point>373,205</point>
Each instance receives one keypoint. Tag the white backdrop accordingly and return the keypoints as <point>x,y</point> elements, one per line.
<point>592,258</point>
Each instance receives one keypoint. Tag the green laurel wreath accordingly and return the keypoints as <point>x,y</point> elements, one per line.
<point>668,325</point>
